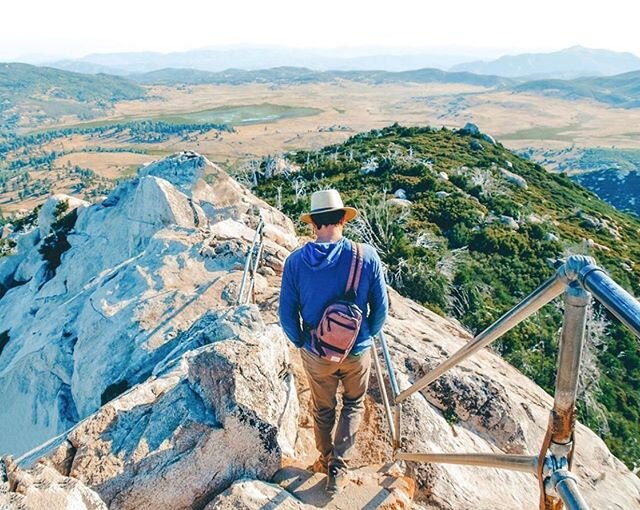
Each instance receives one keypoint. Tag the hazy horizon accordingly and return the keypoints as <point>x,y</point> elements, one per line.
<point>475,30</point>
<point>456,54</point>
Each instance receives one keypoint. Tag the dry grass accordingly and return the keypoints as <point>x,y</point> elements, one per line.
<point>106,164</point>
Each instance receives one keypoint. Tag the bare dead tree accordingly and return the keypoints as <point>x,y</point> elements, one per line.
<point>489,184</point>
<point>589,381</point>
<point>376,222</point>
<point>299,188</point>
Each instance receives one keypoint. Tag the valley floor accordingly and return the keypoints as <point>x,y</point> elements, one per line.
<point>270,119</point>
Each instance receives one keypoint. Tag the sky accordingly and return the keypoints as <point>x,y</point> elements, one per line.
<point>73,28</point>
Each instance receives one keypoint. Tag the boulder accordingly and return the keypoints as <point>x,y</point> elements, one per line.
<point>400,193</point>
<point>183,170</point>
<point>150,386</point>
<point>509,222</point>
<point>42,487</point>
<point>223,410</point>
<point>24,248</point>
<point>489,139</point>
<point>475,145</point>
<point>6,231</point>
<point>470,129</point>
<point>399,202</point>
<point>534,219</point>
<point>256,495</point>
<point>47,214</point>
<point>514,179</point>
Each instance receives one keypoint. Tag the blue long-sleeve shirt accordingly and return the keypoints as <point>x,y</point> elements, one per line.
<point>315,276</point>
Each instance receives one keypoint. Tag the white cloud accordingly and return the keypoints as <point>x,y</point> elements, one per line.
<point>77,27</point>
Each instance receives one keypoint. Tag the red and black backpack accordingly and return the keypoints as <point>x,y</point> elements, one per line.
<point>335,334</point>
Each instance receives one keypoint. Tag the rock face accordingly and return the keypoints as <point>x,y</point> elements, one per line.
<point>47,214</point>
<point>142,267</point>
<point>255,495</point>
<point>150,386</point>
<point>43,487</point>
<point>201,422</point>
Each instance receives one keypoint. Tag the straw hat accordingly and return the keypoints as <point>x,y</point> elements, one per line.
<point>326,201</point>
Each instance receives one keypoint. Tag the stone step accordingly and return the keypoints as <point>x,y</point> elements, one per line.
<point>377,486</point>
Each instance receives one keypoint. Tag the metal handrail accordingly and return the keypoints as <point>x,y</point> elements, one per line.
<point>524,463</point>
<point>577,277</point>
<point>251,264</point>
<point>547,292</point>
<point>614,298</point>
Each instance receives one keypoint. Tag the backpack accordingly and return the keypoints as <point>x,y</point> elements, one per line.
<point>334,336</point>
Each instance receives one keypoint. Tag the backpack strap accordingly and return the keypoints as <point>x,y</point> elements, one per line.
<point>355,272</point>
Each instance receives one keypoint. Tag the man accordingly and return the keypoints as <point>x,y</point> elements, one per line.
<point>314,277</point>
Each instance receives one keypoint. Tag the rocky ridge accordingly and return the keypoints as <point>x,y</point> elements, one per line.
<point>150,387</point>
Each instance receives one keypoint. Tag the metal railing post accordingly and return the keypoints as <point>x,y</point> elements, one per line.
<point>254,269</point>
<point>570,354</point>
<point>248,261</point>
<point>565,484</point>
<point>398,426</point>
<point>387,360</point>
<point>557,449</point>
<point>383,391</point>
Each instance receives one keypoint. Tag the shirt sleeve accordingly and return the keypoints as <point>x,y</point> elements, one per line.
<point>289,308</point>
<point>378,298</point>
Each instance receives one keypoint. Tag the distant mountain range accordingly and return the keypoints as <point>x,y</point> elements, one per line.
<point>252,58</point>
<point>293,75</point>
<point>568,63</point>
<point>45,94</point>
<point>622,90</point>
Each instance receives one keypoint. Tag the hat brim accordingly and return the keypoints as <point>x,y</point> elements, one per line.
<point>349,214</point>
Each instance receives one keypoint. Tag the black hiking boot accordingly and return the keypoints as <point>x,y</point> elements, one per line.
<point>337,478</point>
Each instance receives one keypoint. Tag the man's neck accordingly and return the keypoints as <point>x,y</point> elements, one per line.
<point>329,237</point>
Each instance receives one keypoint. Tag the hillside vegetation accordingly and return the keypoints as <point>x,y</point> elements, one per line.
<point>471,230</point>
<point>44,93</point>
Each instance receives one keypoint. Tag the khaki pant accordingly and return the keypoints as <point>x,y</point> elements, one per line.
<point>323,377</point>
